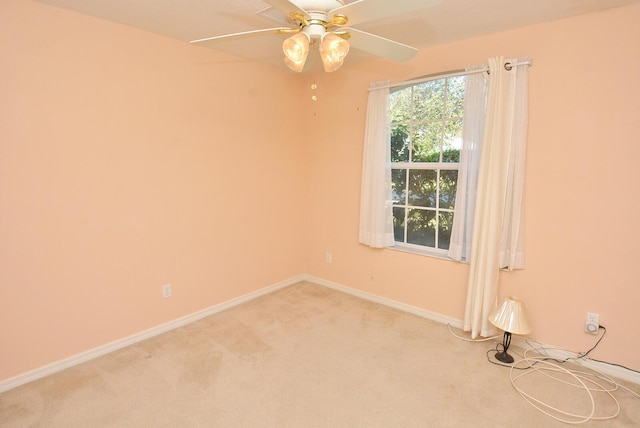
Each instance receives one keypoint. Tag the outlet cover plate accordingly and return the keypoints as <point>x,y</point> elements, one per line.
<point>166,291</point>
<point>592,325</point>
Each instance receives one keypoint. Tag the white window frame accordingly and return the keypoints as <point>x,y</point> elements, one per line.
<point>431,166</point>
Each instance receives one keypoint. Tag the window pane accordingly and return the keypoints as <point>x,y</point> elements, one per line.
<point>398,224</point>
<point>400,105</point>
<point>455,96</point>
<point>399,143</point>
<point>422,188</point>
<point>452,141</point>
<point>444,229</point>
<point>399,186</point>
<point>448,187</point>
<point>428,100</point>
<point>426,129</point>
<point>421,227</point>
<point>427,140</point>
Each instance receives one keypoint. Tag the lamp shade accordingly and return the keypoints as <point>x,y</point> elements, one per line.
<point>510,317</point>
<point>333,50</point>
<point>296,49</point>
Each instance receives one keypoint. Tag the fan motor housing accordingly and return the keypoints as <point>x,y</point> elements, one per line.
<point>314,31</point>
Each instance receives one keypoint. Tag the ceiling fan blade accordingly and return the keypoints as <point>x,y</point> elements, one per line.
<point>287,7</point>
<point>244,34</point>
<point>263,46</point>
<point>370,10</point>
<point>380,46</point>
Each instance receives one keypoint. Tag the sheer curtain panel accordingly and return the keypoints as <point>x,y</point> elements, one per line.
<point>376,215</point>
<point>472,132</point>
<point>498,212</point>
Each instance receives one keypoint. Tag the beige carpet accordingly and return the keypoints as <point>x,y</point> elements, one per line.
<point>304,356</point>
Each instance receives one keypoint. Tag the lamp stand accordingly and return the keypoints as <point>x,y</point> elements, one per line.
<point>503,356</point>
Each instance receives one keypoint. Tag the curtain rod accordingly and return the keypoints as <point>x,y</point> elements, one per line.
<point>507,66</point>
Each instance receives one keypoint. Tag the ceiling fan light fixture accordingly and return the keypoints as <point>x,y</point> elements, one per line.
<point>333,50</point>
<point>296,49</point>
<point>295,66</point>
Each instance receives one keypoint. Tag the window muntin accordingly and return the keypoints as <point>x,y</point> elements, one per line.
<point>426,138</point>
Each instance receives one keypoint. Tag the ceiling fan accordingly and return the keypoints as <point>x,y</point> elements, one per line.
<point>327,23</point>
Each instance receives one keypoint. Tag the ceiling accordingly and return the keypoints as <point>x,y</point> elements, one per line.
<point>444,22</point>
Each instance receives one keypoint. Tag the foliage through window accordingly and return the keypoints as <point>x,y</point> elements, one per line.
<point>426,139</point>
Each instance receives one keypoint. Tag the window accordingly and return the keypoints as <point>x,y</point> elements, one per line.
<point>426,139</point>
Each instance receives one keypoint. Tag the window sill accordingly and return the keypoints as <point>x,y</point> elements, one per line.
<point>420,251</point>
<point>438,254</point>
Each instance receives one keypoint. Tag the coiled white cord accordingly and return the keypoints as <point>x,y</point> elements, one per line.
<point>585,381</point>
<point>540,365</point>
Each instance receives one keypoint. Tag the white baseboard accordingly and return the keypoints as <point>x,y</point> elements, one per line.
<point>138,337</point>
<point>615,371</point>
<point>434,316</point>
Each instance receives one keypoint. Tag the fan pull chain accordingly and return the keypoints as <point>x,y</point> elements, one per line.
<point>314,97</point>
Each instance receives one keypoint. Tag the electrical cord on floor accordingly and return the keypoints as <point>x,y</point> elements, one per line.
<point>540,365</point>
<point>500,348</point>
<point>551,367</point>
<point>484,339</point>
<point>585,354</point>
<point>593,379</point>
<point>467,339</point>
<point>586,381</point>
<point>614,364</point>
<point>581,356</point>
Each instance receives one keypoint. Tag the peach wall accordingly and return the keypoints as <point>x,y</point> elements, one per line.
<point>582,190</point>
<point>127,161</point>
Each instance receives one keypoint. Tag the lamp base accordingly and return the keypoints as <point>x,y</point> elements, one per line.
<point>504,357</point>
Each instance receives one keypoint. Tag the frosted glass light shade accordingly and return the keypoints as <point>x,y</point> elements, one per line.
<point>333,50</point>
<point>296,49</point>
<point>510,317</point>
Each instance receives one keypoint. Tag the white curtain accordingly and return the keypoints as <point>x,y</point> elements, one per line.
<point>376,216</point>
<point>472,133</point>
<point>512,244</point>
<point>498,213</point>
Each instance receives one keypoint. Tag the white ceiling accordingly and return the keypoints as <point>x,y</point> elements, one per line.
<point>444,22</point>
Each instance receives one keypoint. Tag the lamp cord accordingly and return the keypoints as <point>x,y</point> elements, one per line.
<point>585,354</point>
<point>535,365</point>
<point>589,382</point>
<point>466,339</point>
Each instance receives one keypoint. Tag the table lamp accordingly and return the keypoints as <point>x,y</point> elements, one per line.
<point>510,318</point>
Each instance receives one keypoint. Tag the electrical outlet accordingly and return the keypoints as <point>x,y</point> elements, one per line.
<point>592,325</point>
<point>166,291</point>
<point>329,258</point>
